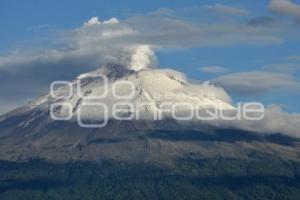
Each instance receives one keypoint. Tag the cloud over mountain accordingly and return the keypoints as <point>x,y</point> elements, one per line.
<point>275,120</point>
<point>255,82</point>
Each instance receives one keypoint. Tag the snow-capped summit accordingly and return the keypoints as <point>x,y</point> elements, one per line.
<point>144,94</point>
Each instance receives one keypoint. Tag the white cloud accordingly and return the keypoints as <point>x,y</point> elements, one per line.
<point>111,21</point>
<point>223,9</point>
<point>92,21</point>
<point>213,69</point>
<point>104,41</point>
<point>275,121</point>
<point>257,82</point>
<point>285,7</point>
<point>95,21</point>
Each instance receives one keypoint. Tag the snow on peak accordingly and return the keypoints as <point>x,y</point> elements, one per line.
<point>144,93</point>
<point>147,91</point>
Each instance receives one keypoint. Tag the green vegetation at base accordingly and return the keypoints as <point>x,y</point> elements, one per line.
<point>260,177</point>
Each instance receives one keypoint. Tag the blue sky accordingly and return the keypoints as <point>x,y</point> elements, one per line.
<point>244,38</point>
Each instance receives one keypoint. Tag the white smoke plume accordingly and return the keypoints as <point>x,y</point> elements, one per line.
<point>142,57</point>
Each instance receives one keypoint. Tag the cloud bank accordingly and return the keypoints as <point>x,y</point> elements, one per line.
<point>275,121</point>
<point>255,82</point>
<point>285,7</point>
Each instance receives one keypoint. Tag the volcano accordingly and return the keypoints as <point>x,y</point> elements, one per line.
<point>70,122</point>
<point>75,142</point>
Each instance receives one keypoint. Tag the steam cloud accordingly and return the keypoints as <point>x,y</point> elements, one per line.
<point>142,58</point>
